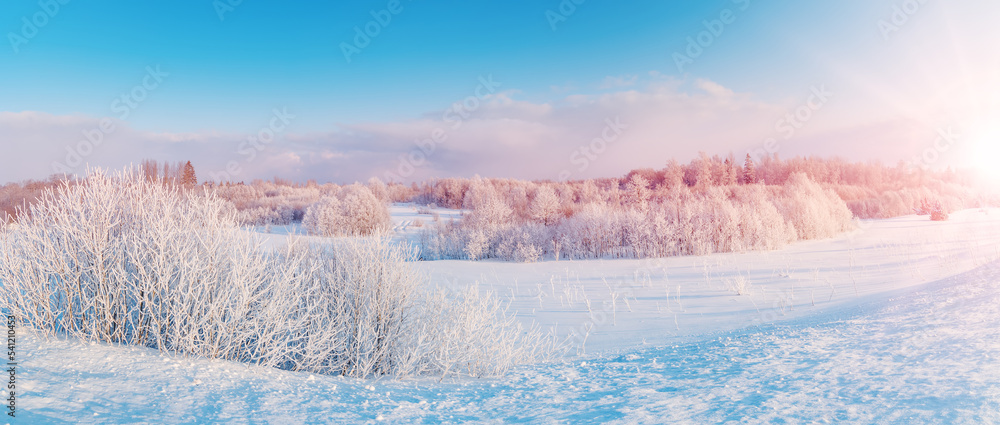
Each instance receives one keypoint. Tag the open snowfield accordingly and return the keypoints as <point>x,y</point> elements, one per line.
<point>897,322</point>
<point>627,302</point>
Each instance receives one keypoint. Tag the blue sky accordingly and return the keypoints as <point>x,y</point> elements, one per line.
<point>352,119</point>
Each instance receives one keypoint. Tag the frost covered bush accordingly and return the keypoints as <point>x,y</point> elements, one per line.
<point>118,259</point>
<point>363,212</point>
<point>939,215</point>
<point>934,209</point>
<point>356,212</point>
<point>275,203</point>
<point>325,218</point>
<point>739,284</point>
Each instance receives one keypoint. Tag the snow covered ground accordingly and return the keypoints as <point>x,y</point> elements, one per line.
<point>898,322</point>
<point>613,304</point>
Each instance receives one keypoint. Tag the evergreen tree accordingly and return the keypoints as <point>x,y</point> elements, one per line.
<point>188,178</point>
<point>749,173</point>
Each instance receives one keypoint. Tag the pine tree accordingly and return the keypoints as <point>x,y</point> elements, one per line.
<point>188,178</point>
<point>749,173</point>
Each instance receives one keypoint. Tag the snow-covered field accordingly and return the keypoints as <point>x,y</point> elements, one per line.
<point>897,322</point>
<point>627,303</point>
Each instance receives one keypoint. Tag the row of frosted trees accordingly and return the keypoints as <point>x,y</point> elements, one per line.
<point>525,220</point>
<point>871,190</point>
<point>323,210</point>
<point>709,205</point>
<point>556,221</point>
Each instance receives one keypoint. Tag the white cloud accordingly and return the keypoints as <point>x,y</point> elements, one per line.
<point>612,82</point>
<point>713,88</point>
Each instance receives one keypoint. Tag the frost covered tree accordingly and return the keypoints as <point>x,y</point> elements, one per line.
<point>589,192</point>
<point>673,174</point>
<point>355,212</point>
<point>700,172</point>
<point>378,189</point>
<point>637,192</point>
<point>730,174</point>
<point>490,211</point>
<point>491,214</point>
<point>545,206</point>
<point>363,212</point>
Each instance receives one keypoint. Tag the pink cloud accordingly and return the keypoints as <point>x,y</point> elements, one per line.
<point>504,137</point>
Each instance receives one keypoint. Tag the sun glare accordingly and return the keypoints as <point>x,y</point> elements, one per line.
<point>986,151</point>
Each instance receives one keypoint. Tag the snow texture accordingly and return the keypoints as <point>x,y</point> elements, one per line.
<point>916,340</point>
